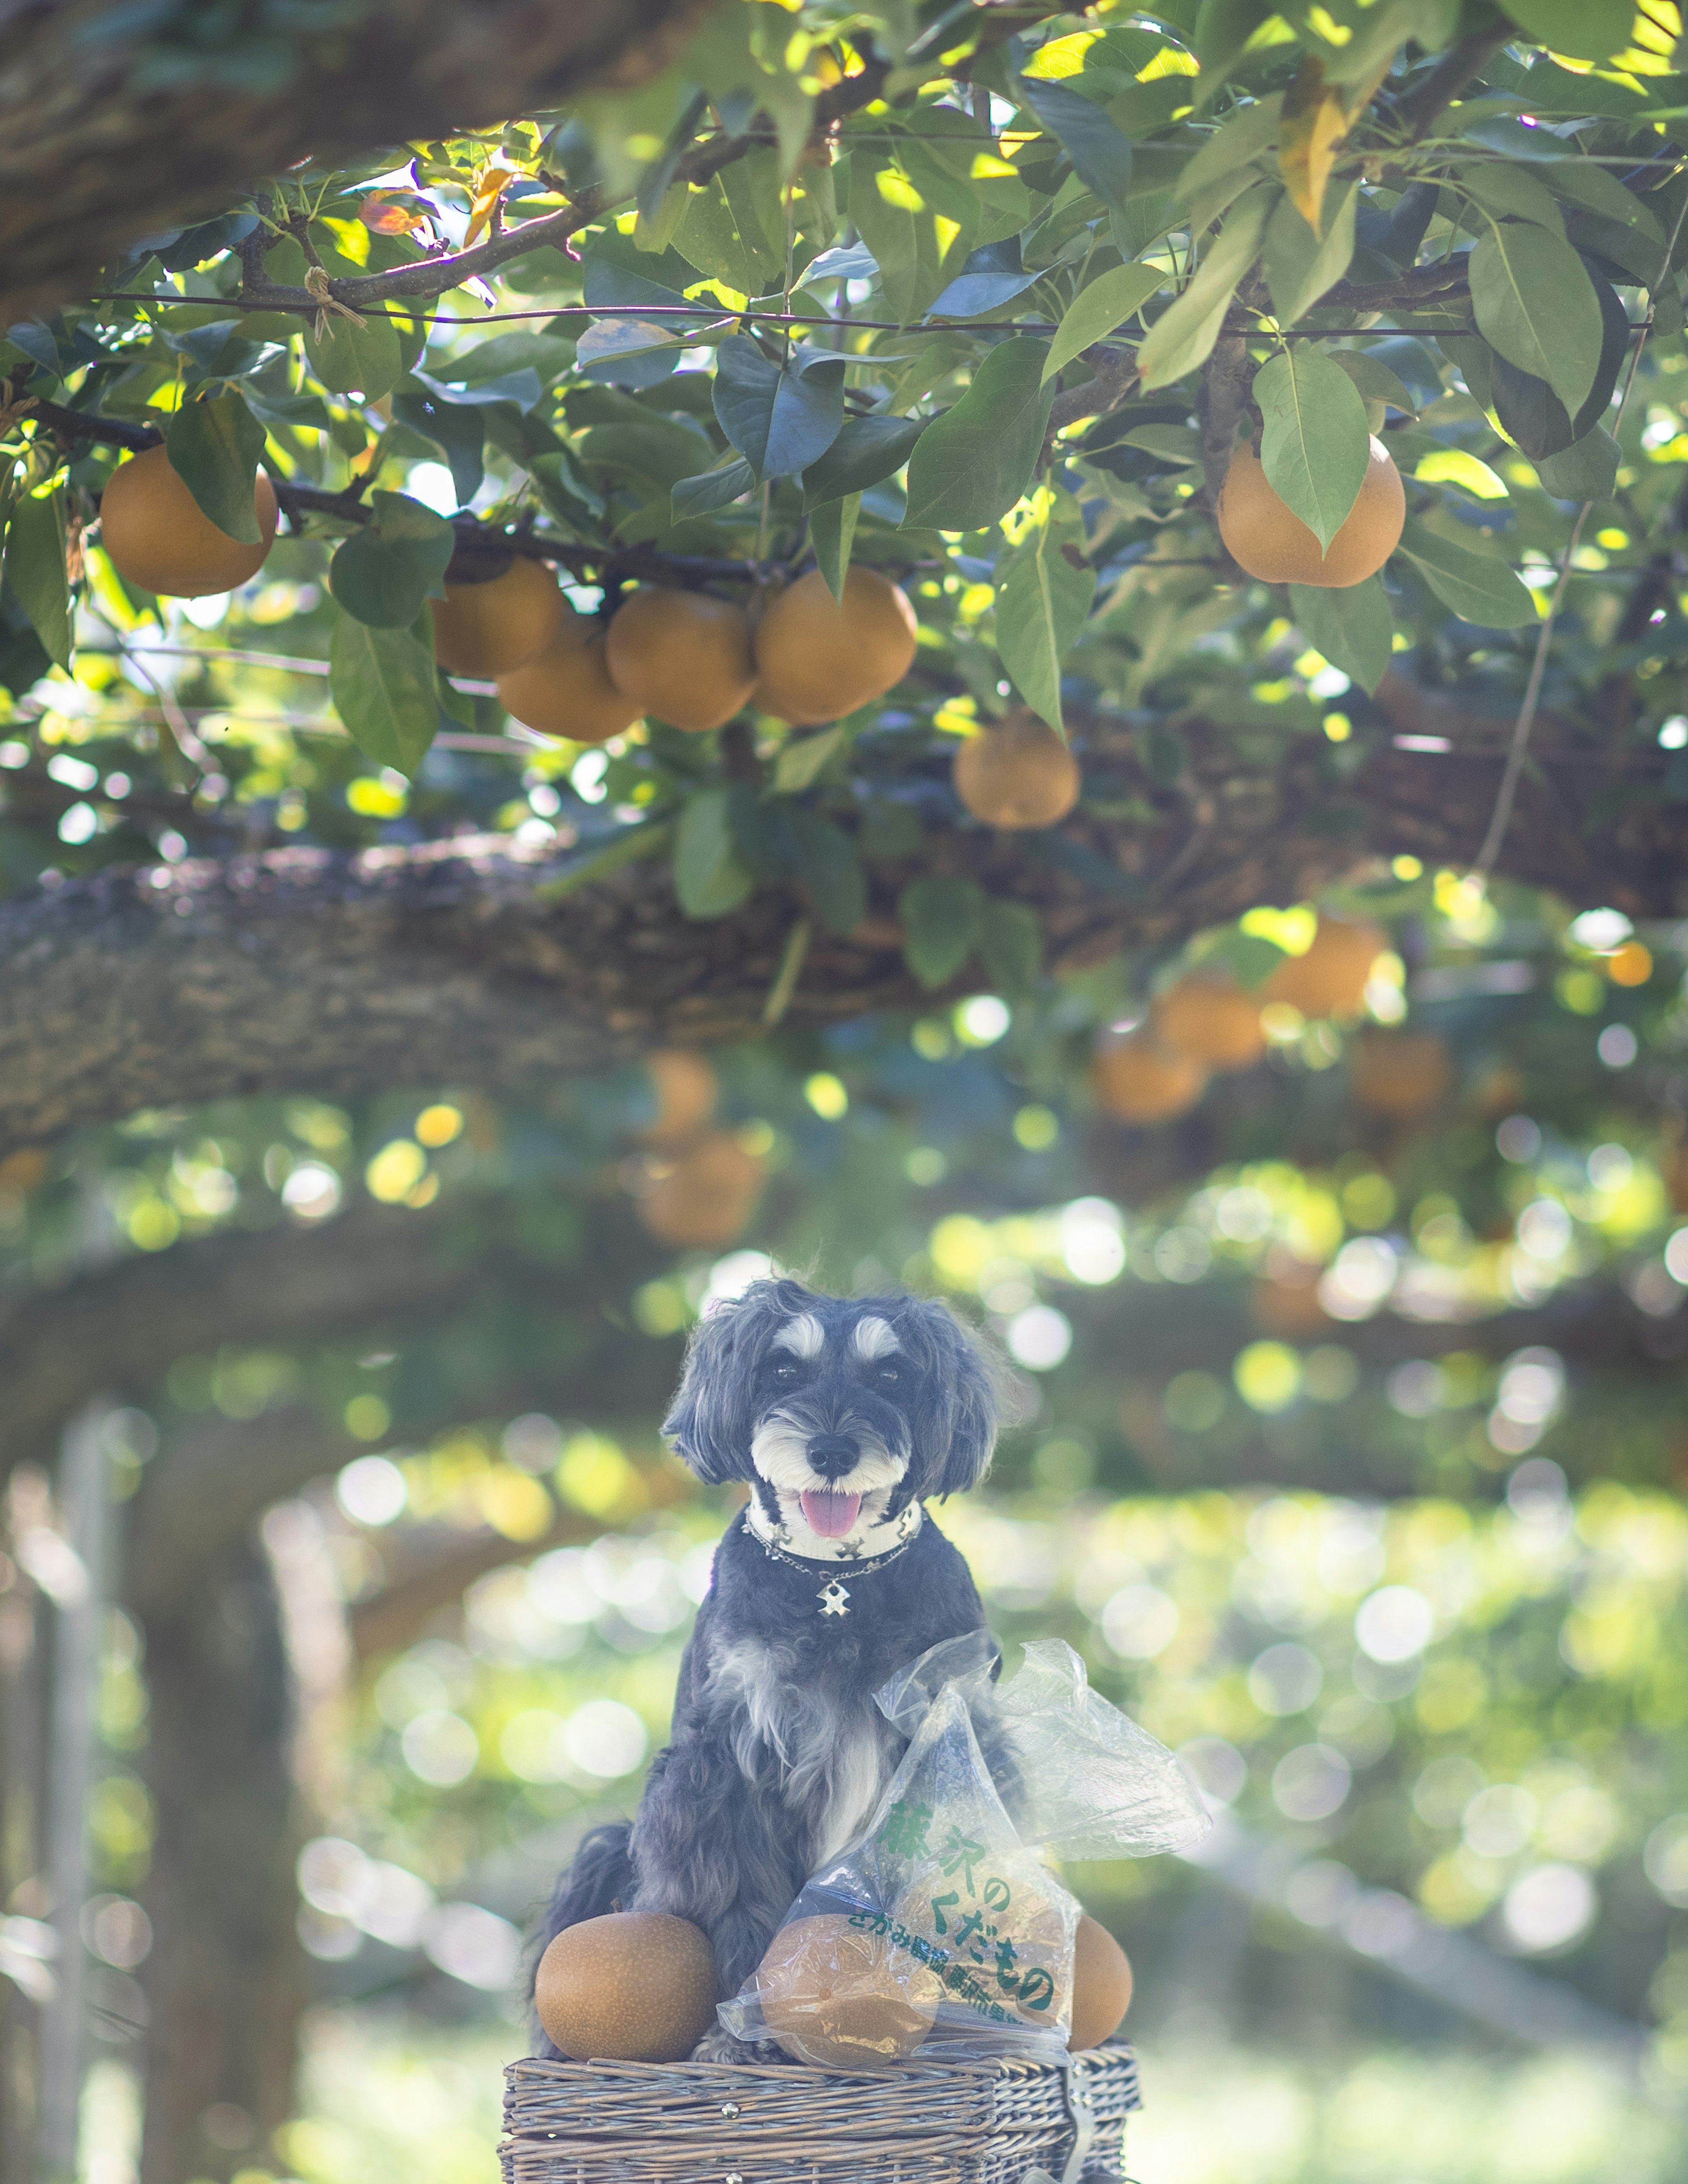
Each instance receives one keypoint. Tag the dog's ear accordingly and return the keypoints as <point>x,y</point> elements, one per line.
<point>713,1416</point>
<point>955,1414</point>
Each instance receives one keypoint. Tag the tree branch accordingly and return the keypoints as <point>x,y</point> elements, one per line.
<point>373,1268</point>
<point>436,277</point>
<point>1423,106</point>
<point>445,963</point>
<point>1113,376</point>
<point>144,121</point>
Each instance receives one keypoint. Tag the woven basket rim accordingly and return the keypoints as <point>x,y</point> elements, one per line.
<point>970,2068</point>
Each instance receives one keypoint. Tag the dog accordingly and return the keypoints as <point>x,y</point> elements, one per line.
<point>843,1416</point>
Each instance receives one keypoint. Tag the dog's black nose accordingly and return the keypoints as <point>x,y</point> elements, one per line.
<point>832,1455</point>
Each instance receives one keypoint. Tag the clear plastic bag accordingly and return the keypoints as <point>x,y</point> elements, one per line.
<point>942,1932</point>
<point>1080,1778</point>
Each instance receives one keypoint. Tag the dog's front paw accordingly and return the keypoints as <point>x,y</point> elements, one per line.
<point>719,2045</point>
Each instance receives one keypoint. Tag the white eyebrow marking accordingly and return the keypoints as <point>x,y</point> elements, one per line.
<point>804,1336</point>
<point>875,1338</point>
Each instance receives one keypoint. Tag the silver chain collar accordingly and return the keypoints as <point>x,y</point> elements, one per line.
<point>834,1597</point>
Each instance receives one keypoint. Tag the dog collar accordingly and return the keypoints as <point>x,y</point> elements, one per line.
<point>833,1596</point>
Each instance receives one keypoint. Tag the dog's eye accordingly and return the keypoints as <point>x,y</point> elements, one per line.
<point>785,1373</point>
<point>889,1377</point>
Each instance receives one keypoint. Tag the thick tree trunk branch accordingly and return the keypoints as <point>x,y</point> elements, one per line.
<point>444,964</point>
<point>371,1272</point>
<point>227,1979</point>
<point>124,1326</point>
<point>115,124</point>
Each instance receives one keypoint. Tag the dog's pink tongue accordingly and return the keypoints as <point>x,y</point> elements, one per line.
<point>830,1515</point>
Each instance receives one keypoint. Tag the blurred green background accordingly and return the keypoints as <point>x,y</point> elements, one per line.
<point>1349,1452</point>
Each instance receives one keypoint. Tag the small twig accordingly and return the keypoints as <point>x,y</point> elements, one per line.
<point>175,720</point>
<point>1420,109</point>
<point>631,846</point>
<point>1187,856</point>
<point>791,962</point>
<point>1115,375</point>
<point>1219,405</point>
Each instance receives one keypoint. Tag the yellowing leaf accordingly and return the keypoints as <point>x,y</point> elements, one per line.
<point>1314,122</point>
<point>488,190</point>
<point>383,216</point>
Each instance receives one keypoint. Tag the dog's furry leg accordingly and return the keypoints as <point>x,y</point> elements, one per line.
<point>601,1874</point>
<point>719,2045</point>
<point>711,1846</point>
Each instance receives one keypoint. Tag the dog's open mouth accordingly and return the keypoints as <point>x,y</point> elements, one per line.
<point>830,1515</point>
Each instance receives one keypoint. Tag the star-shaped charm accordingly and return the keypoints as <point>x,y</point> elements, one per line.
<point>832,1598</point>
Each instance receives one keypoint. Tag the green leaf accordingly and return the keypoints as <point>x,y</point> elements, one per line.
<point>972,464</point>
<point>867,450</point>
<point>1315,446</point>
<point>1599,190</point>
<point>382,574</point>
<point>1247,134</point>
<point>1616,333</point>
<point>830,871</point>
<point>1475,586</point>
<point>608,343</point>
<point>943,920</point>
<point>285,263</point>
<point>1183,337</point>
<point>710,876</point>
<point>214,448</point>
<point>1535,303</point>
<point>1509,192</point>
<point>1352,627</point>
<point>457,429</point>
<point>1173,443</point>
<point>801,761</point>
<point>348,357</point>
<point>1587,469</point>
<point>1474,361</point>
<point>659,450</point>
<point>1100,154</point>
<point>1531,412</point>
<point>832,526</point>
<point>1012,942</point>
<point>35,570</point>
<point>1585,29</point>
<point>1096,311</point>
<point>382,683</point>
<point>1374,379</point>
<point>917,246</point>
<point>1301,265</point>
<point>711,489</point>
<point>1041,604</point>
<point>781,418</point>
<point>941,145</point>
<point>1223,29</point>
<point>722,234</point>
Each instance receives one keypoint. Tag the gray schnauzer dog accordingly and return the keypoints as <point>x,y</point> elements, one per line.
<point>843,1415</point>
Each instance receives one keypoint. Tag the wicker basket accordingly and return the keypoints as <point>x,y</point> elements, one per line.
<point>705,2123</point>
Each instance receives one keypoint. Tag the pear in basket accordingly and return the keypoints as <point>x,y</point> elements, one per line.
<point>842,1997</point>
<point>633,1986</point>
